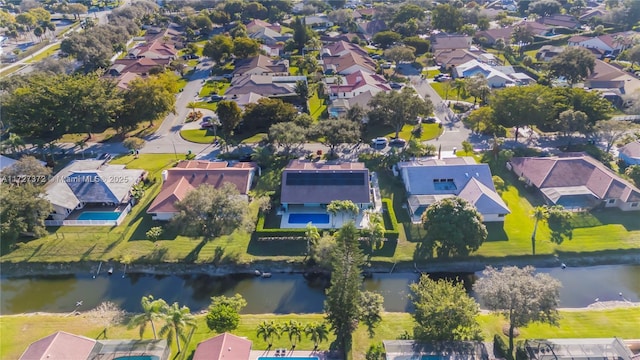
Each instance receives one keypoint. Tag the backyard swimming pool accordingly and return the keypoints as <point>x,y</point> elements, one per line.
<point>308,218</point>
<point>99,215</point>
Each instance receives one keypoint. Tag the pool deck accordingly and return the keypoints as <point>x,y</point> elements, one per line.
<point>335,222</point>
<point>255,354</point>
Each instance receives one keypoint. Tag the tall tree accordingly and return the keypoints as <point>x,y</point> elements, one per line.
<point>371,308</point>
<point>229,115</point>
<point>421,45</point>
<point>294,330</point>
<point>152,309</point>
<point>520,295</point>
<point>287,135</point>
<point>443,310</point>
<point>545,7</point>
<point>336,132</point>
<point>266,112</point>
<point>343,296</point>
<point>224,312</point>
<point>23,211</point>
<point>521,36</point>
<point>27,170</point>
<point>574,64</point>
<point>301,33</point>
<point>302,90</point>
<point>521,106</point>
<point>386,38</point>
<point>268,330</point>
<point>398,54</point>
<point>375,232</point>
<point>539,213</point>
<point>178,319</point>
<point>316,332</point>
<point>397,108</point>
<point>611,131</point>
<point>219,48</point>
<point>244,47</point>
<point>454,227</point>
<point>210,212</point>
<point>447,17</point>
<point>148,99</point>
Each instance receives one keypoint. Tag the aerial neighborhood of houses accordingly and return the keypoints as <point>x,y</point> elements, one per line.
<point>198,149</point>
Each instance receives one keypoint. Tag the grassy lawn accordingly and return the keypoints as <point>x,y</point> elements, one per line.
<point>214,87</point>
<point>213,106</point>
<point>44,54</point>
<point>199,136</point>
<point>20,330</point>
<point>430,74</point>
<point>451,95</point>
<point>255,138</point>
<point>429,131</point>
<point>317,107</point>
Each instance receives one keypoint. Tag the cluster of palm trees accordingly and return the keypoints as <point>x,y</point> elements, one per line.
<point>270,330</point>
<point>175,319</point>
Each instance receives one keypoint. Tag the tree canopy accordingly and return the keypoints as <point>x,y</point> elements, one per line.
<point>573,64</point>
<point>23,211</point>
<point>447,17</point>
<point>287,135</point>
<point>210,212</point>
<point>454,227</point>
<point>224,313</point>
<point>520,295</point>
<point>443,310</point>
<point>397,108</point>
<point>266,112</point>
<point>336,132</point>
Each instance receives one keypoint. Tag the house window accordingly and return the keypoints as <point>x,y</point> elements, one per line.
<point>611,201</point>
<point>634,204</point>
<point>501,215</point>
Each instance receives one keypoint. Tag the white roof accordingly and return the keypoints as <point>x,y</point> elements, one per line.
<point>6,162</point>
<point>488,71</point>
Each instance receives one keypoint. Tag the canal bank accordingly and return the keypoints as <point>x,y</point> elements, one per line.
<point>615,257</point>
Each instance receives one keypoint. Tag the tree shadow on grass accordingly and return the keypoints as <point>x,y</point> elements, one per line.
<point>157,255</point>
<point>276,247</point>
<point>628,219</point>
<point>388,249</point>
<point>423,251</point>
<point>495,232</point>
<point>192,256</point>
<point>413,232</point>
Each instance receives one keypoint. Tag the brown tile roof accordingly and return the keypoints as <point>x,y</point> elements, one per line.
<point>137,66</point>
<point>257,24</point>
<point>359,79</point>
<point>445,41</point>
<point>188,175</point>
<point>342,47</point>
<point>60,346</point>
<point>575,170</point>
<point>455,57</point>
<point>562,20</point>
<point>223,347</point>
<point>262,85</point>
<point>158,48</point>
<point>344,62</point>
<point>264,63</point>
<point>323,192</point>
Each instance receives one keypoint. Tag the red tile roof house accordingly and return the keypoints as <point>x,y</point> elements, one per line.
<point>630,153</point>
<point>577,182</point>
<point>188,175</point>
<point>345,58</point>
<point>223,347</point>
<point>357,83</point>
<point>156,49</point>
<point>608,43</point>
<point>64,346</point>
<point>308,187</point>
<point>257,24</point>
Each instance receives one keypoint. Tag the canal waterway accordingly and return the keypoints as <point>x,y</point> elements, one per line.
<point>281,293</point>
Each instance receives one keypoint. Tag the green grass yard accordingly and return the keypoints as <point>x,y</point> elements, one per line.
<point>317,107</point>
<point>21,330</point>
<point>214,87</point>
<point>452,94</point>
<point>429,131</point>
<point>199,136</point>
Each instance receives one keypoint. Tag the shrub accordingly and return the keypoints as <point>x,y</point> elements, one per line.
<point>154,233</point>
<point>376,352</point>
<point>498,182</point>
<point>387,207</point>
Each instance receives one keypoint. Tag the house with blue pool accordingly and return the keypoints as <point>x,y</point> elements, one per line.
<point>308,187</point>
<point>65,346</point>
<point>91,192</point>
<point>430,180</point>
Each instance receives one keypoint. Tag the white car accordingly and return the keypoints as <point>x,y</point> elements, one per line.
<point>379,142</point>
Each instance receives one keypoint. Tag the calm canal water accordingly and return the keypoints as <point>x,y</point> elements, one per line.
<point>282,293</point>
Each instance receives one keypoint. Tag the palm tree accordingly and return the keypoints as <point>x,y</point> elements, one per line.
<point>317,332</point>
<point>294,330</point>
<point>152,309</point>
<point>267,331</point>
<point>312,235</point>
<point>538,213</point>
<point>461,87</point>
<point>177,320</point>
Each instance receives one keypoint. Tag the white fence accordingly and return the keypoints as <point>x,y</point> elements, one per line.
<point>116,222</point>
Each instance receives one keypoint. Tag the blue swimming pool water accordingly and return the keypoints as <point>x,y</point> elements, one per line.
<point>308,218</point>
<point>288,358</point>
<point>99,215</point>
<point>142,357</point>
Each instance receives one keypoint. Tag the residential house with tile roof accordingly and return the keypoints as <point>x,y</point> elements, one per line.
<point>257,24</point>
<point>90,182</point>
<point>560,20</point>
<point>495,78</point>
<point>177,182</point>
<point>357,83</point>
<point>65,346</point>
<point>156,49</point>
<point>450,58</point>
<point>371,27</point>
<point>630,153</point>
<point>346,58</point>
<point>263,85</point>
<point>607,76</point>
<point>430,180</point>
<point>139,66</point>
<point>340,107</point>
<point>269,36</point>
<point>608,43</point>
<point>225,346</point>
<point>318,21</point>
<point>576,181</point>
<point>449,42</point>
<point>261,65</point>
<point>490,36</point>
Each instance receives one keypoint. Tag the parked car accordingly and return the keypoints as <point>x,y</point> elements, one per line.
<point>397,142</point>
<point>395,85</point>
<point>216,97</point>
<point>376,57</point>
<point>386,65</point>
<point>444,77</point>
<point>431,120</point>
<point>227,76</point>
<point>379,142</point>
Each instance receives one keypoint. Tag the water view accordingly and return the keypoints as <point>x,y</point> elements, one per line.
<point>282,293</point>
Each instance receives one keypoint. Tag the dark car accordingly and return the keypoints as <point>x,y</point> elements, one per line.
<point>396,86</point>
<point>397,142</point>
<point>431,120</point>
<point>216,97</point>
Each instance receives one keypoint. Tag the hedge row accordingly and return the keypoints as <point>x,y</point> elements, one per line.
<point>500,348</point>
<point>393,233</point>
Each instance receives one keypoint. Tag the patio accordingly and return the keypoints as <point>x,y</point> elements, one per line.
<point>319,217</point>
<point>320,355</point>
